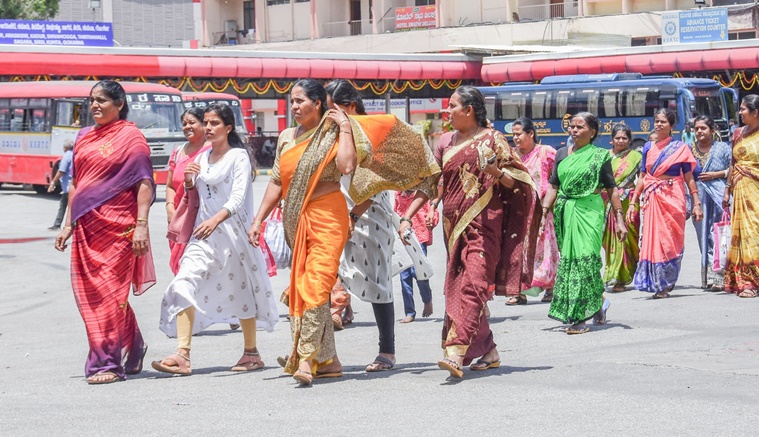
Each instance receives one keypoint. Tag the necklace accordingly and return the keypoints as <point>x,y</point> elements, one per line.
<point>698,154</point>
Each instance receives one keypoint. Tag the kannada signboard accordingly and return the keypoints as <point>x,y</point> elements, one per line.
<point>56,33</point>
<point>415,17</point>
<point>698,25</point>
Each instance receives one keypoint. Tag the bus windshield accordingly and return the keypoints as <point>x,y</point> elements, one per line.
<point>155,113</point>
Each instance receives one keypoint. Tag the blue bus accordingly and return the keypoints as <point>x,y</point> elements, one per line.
<point>628,98</point>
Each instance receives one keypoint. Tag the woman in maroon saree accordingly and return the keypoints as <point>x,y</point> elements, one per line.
<point>109,200</point>
<point>491,218</point>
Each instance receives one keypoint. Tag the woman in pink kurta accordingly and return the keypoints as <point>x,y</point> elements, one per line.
<point>539,160</point>
<point>192,126</point>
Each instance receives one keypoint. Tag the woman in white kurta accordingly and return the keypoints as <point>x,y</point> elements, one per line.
<point>221,278</point>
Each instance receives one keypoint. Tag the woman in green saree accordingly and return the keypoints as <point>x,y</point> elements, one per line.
<point>579,174</point>
<point>622,256</point>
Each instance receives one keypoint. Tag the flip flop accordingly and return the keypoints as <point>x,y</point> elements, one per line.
<point>517,300</point>
<point>112,377</point>
<point>452,367</point>
<point>481,364</point>
<point>282,361</point>
<point>303,378</point>
<point>578,330</point>
<point>382,363</point>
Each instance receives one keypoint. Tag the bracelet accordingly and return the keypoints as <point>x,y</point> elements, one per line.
<point>619,210</point>
<point>694,191</point>
<point>434,203</point>
<point>67,227</point>
<point>140,219</point>
<point>355,217</point>
<point>345,132</point>
<point>345,121</point>
<point>404,219</point>
<point>190,187</point>
<point>169,203</point>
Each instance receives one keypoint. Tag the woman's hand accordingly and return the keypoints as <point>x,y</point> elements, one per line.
<point>351,228</point>
<point>711,175</point>
<point>340,118</point>
<point>726,199</point>
<point>430,219</point>
<point>402,231</point>
<point>621,228</point>
<point>63,236</point>
<point>205,229</point>
<point>254,233</point>
<point>170,211</point>
<point>140,240</point>
<point>631,213</point>
<point>192,170</point>
<point>698,213</point>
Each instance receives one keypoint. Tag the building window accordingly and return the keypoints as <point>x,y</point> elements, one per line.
<point>277,2</point>
<point>424,2</point>
<point>302,1</point>
<point>249,14</point>
<point>741,35</point>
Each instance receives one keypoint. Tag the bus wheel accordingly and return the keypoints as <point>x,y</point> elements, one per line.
<point>40,189</point>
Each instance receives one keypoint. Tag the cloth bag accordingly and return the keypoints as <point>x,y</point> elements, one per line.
<point>722,234</point>
<point>183,222</point>
<point>274,234</point>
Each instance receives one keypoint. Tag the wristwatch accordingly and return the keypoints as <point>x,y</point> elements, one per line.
<point>353,217</point>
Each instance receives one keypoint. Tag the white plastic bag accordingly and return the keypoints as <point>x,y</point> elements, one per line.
<point>274,234</point>
<point>722,235</point>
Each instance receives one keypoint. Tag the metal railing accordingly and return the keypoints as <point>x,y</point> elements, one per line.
<point>356,27</point>
<point>548,11</point>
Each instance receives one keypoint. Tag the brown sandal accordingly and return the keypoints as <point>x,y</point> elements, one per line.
<point>246,364</point>
<point>747,294</point>
<point>108,378</point>
<point>303,378</point>
<point>181,365</point>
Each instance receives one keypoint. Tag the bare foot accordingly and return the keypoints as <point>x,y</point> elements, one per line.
<point>427,310</point>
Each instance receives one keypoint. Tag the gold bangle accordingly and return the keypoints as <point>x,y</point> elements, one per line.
<point>141,220</point>
<point>345,132</point>
<point>67,227</point>
<point>169,203</point>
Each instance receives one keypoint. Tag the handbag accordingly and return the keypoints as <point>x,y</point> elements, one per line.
<point>274,234</point>
<point>183,222</point>
<point>723,233</point>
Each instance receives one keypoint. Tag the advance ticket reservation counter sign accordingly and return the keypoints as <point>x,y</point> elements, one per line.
<point>698,25</point>
<point>56,33</point>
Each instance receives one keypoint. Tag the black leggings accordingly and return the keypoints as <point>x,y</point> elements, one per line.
<point>384,314</point>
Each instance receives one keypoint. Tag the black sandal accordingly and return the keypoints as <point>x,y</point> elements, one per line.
<point>517,300</point>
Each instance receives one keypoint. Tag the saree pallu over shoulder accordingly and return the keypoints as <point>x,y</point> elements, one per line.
<point>400,159</point>
<point>742,271</point>
<point>109,160</point>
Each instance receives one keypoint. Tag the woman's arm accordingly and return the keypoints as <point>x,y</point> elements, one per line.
<point>65,234</point>
<point>416,204</point>
<point>241,171</point>
<point>690,181</point>
<point>347,158</point>
<point>631,211</point>
<point>141,235</point>
<point>728,188</point>
<point>616,205</point>
<point>171,193</point>
<point>272,196</point>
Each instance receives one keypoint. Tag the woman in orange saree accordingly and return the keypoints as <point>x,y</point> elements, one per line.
<point>491,218</point>
<point>309,163</point>
<point>109,202</point>
<point>742,271</point>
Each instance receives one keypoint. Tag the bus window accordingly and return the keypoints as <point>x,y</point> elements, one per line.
<point>39,119</point>
<point>584,101</point>
<point>5,119</point>
<point>541,105</point>
<point>609,104</point>
<point>490,107</point>
<point>17,120</point>
<point>512,105</point>
<point>560,104</point>
<point>710,106</point>
<point>64,114</point>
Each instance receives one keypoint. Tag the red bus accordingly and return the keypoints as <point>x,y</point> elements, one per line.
<point>37,118</point>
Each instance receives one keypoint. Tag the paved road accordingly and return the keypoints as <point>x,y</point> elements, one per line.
<point>684,366</point>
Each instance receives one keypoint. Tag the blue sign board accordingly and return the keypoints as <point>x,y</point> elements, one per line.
<point>698,25</point>
<point>56,33</point>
